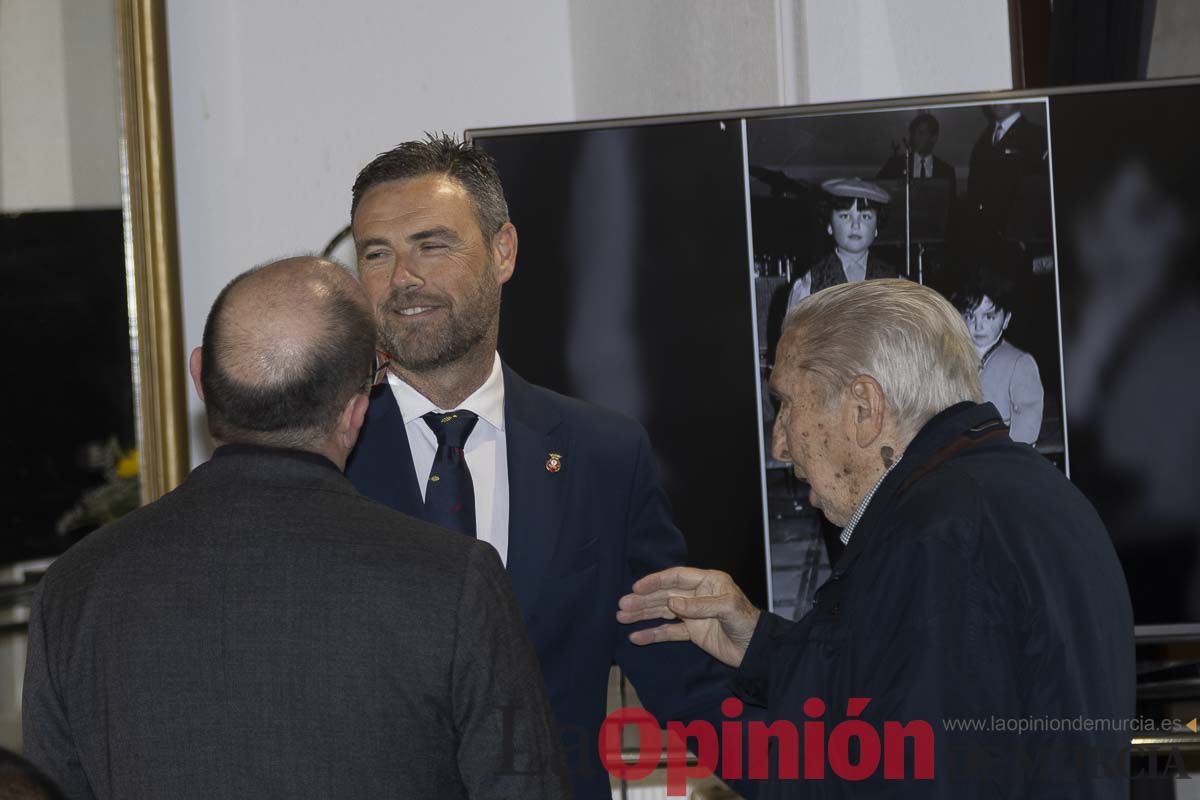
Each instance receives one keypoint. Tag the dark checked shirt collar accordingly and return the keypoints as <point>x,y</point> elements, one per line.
<point>848,531</point>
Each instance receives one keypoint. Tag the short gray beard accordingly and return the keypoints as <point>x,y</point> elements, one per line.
<point>463,331</point>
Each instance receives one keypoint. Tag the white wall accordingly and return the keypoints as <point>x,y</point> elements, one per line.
<point>58,105</point>
<point>277,105</point>
<point>871,49</point>
<point>637,58</point>
<point>1175,41</point>
<point>633,57</point>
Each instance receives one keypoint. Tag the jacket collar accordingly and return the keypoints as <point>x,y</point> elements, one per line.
<point>536,494</point>
<point>381,465</point>
<point>529,406</point>
<point>947,433</point>
<point>253,464</point>
<point>259,451</point>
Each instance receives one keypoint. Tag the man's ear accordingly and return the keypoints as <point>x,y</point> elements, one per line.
<point>194,362</point>
<point>867,407</point>
<point>350,421</point>
<point>504,251</point>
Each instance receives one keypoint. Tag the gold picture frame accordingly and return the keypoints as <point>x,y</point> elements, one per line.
<point>151,245</point>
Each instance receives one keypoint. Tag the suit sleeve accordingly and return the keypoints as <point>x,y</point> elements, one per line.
<point>507,742</point>
<point>46,730</point>
<point>1027,398</point>
<point>674,680</point>
<point>763,660</point>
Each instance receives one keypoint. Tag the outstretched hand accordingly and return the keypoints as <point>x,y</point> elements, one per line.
<point>714,614</point>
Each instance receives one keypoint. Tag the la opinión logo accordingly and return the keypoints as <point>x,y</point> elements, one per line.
<point>819,750</point>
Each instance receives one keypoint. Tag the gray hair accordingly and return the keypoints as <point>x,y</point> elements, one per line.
<point>904,335</point>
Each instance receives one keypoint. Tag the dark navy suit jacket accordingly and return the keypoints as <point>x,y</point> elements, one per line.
<point>578,539</point>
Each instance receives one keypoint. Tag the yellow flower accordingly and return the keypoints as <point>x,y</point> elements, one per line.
<point>127,467</point>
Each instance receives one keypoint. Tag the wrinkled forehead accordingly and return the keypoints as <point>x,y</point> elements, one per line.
<point>413,201</point>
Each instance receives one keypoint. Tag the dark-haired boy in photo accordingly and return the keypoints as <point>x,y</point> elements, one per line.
<point>853,210</point>
<point>1008,375</point>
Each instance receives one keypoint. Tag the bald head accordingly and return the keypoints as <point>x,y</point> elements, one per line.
<point>285,347</point>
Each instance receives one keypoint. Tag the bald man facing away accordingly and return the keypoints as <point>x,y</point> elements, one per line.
<point>264,630</point>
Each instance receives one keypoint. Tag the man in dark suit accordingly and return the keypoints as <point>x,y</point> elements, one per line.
<point>922,138</point>
<point>266,631</point>
<point>977,583</point>
<point>1007,151</point>
<point>567,493</point>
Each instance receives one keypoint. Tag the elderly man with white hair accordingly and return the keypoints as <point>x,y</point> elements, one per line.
<point>979,592</point>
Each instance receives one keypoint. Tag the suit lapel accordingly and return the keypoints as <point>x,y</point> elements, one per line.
<point>536,494</point>
<point>382,466</point>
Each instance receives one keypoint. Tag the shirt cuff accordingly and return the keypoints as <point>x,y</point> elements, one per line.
<point>752,680</point>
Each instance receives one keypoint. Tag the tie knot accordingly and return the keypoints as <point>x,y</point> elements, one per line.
<point>451,427</point>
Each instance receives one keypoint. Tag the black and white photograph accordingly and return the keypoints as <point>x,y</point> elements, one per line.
<point>958,198</point>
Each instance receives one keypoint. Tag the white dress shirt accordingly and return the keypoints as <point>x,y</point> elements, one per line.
<point>1003,125</point>
<point>486,451</point>
<point>919,161</point>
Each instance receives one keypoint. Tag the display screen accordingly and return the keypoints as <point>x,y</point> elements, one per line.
<point>64,316</point>
<point>657,261</point>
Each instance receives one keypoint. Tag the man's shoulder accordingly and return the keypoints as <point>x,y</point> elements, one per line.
<point>578,416</point>
<point>1000,486</point>
<point>77,566</point>
<point>193,528</point>
<point>945,502</point>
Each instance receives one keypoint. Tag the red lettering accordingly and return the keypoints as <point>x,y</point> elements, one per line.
<point>839,750</point>
<point>868,744</point>
<point>731,740</point>
<point>894,735</point>
<point>649,744</point>
<point>678,770</point>
<point>814,740</point>
<point>789,749</point>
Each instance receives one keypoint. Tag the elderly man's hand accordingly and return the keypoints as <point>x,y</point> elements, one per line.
<point>715,615</point>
